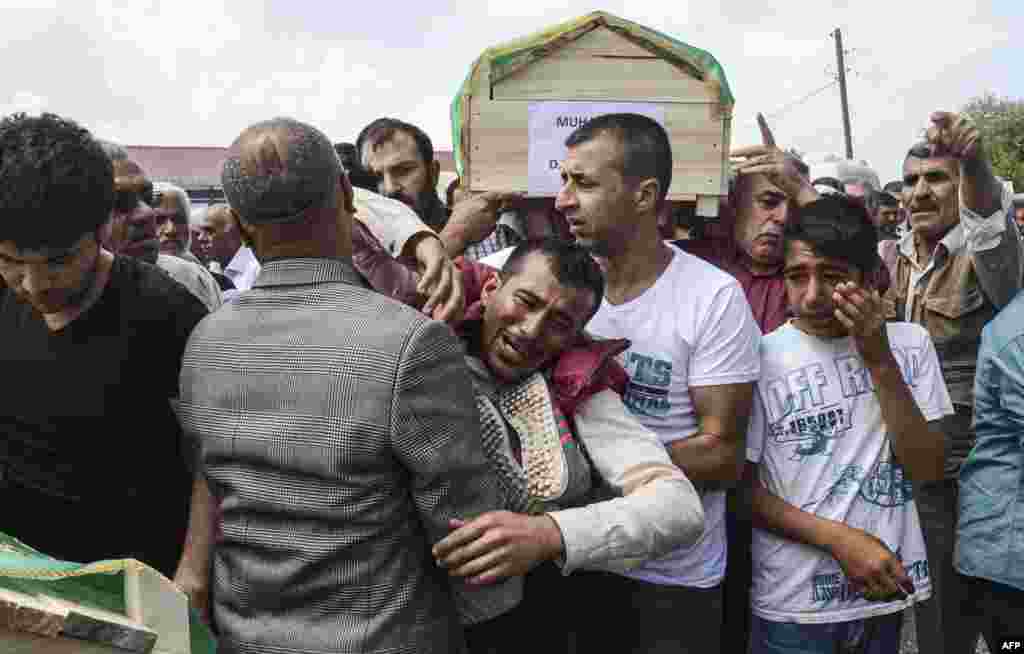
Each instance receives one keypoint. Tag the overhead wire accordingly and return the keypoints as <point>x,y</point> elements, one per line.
<point>801,100</point>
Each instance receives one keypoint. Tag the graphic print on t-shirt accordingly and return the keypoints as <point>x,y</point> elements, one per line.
<point>821,444</point>
<point>650,376</point>
<point>885,485</point>
<point>798,413</point>
<point>833,586</point>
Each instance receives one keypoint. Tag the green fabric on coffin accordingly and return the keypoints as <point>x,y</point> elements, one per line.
<point>98,585</point>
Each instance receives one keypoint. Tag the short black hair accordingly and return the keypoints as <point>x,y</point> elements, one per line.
<point>383,130</point>
<point>357,175</point>
<point>886,199</point>
<point>570,263</point>
<point>920,150</point>
<point>646,151</point>
<point>838,227</point>
<point>56,183</point>
<point>895,187</point>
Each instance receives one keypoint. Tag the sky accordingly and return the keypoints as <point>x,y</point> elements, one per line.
<point>196,72</point>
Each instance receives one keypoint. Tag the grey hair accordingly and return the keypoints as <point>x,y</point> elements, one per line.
<point>166,188</point>
<point>161,189</point>
<point>306,179</point>
<point>113,150</point>
<point>198,216</point>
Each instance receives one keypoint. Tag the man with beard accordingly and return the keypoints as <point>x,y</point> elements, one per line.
<point>387,223</point>
<point>91,461</point>
<point>845,426</point>
<point>959,265</point>
<point>401,157</point>
<point>692,363</point>
<point>133,229</point>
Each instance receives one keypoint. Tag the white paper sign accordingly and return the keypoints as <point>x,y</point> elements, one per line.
<point>551,123</point>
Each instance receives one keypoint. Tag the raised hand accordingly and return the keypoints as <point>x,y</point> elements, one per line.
<point>860,310</point>
<point>771,161</point>
<point>440,281</point>
<point>476,216</point>
<point>954,135</point>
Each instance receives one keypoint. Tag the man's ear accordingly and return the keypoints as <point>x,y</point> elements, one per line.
<point>435,174</point>
<point>245,230</point>
<point>646,196</point>
<point>490,287</point>
<point>348,195</point>
<point>105,234</point>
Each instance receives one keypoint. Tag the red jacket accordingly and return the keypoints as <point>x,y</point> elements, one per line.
<point>585,369</point>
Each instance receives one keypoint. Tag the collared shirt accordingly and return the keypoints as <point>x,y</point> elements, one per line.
<point>989,543</point>
<point>509,232</point>
<point>333,428</point>
<point>973,234</point>
<point>951,244</point>
<point>973,272</point>
<point>766,292</point>
<point>243,269</point>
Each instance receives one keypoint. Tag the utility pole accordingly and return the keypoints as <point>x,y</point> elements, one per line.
<point>842,92</point>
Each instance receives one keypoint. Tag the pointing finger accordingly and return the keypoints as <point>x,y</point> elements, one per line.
<point>766,133</point>
<point>750,151</point>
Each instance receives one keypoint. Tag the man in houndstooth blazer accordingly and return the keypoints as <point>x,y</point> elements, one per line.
<point>336,428</point>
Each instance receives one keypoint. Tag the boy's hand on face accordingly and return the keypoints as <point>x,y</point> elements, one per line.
<point>860,310</point>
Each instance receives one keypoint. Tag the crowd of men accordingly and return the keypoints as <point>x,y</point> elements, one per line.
<point>347,415</point>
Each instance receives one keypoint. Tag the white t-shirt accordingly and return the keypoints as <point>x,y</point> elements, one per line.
<point>693,327</point>
<point>243,269</point>
<point>818,437</point>
<point>498,259</point>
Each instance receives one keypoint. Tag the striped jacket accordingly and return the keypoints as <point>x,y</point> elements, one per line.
<point>338,431</point>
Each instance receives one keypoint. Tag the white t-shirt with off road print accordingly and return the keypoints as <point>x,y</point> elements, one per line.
<point>818,438</point>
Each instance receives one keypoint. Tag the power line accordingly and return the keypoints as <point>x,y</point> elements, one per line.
<point>799,101</point>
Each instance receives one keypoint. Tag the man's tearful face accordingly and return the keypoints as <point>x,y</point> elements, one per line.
<point>530,318</point>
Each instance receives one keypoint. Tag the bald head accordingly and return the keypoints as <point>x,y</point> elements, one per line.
<point>278,170</point>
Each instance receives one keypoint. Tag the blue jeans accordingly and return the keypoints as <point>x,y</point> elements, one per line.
<point>941,627</point>
<point>880,635</point>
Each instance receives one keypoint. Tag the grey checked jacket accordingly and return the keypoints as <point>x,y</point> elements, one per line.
<point>338,430</point>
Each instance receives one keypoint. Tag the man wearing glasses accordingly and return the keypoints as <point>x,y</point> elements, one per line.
<point>135,228</point>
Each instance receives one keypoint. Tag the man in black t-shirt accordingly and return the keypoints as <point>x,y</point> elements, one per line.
<point>91,458</point>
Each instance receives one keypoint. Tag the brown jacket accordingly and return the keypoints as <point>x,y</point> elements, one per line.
<point>976,272</point>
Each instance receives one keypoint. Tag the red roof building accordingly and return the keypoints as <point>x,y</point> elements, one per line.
<point>197,169</point>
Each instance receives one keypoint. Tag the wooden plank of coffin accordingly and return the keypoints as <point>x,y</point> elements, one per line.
<point>26,618</point>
